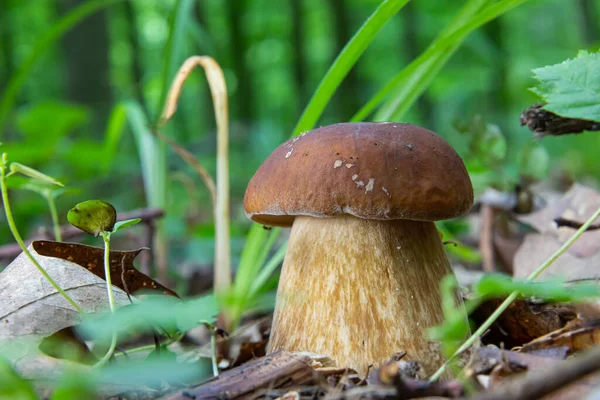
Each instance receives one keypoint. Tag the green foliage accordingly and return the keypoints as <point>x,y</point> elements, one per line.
<point>491,286</point>
<point>571,88</point>
<point>125,224</point>
<point>12,386</point>
<point>168,314</point>
<point>16,168</point>
<point>344,62</point>
<point>93,217</point>
<point>57,30</point>
<point>75,385</point>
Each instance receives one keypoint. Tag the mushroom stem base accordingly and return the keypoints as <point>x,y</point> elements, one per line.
<point>360,290</point>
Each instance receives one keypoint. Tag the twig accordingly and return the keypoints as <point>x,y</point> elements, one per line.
<point>546,123</point>
<point>486,244</point>
<point>69,231</point>
<point>573,224</point>
<point>538,383</point>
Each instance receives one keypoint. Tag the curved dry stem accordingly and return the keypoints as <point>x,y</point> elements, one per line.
<point>218,89</point>
<point>191,160</point>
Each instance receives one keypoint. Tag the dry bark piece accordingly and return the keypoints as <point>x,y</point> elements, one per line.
<point>278,370</point>
<point>487,358</point>
<point>576,336</point>
<point>545,123</point>
<point>361,275</point>
<point>519,324</point>
<point>124,275</point>
<point>542,381</point>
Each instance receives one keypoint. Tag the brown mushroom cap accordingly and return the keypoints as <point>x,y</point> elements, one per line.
<point>379,171</point>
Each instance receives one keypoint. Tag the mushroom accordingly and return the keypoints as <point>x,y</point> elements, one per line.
<point>360,279</point>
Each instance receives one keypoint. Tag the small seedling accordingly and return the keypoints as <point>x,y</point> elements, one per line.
<point>16,168</point>
<point>49,192</point>
<point>98,217</point>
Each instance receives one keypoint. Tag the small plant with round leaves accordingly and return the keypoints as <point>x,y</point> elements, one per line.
<point>7,170</point>
<point>98,217</point>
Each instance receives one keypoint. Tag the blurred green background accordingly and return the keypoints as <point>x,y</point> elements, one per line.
<point>273,54</point>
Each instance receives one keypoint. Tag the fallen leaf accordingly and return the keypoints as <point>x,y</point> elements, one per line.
<point>32,309</point>
<point>577,205</point>
<point>519,324</point>
<point>124,275</point>
<point>30,304</point>
<point>578,335</point>
<point>537,248</point>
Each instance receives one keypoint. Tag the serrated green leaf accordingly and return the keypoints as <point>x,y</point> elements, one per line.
<point>125,224</point>
<point>572,88</point>
<point>93,216</point>
<point>16,168</point>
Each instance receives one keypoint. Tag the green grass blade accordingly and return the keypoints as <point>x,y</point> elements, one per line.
<point>344,62</point>
<point>114,129</point>
<point>152,155</point>
<point>266,271</point>
<point>428,56</point>
<point>410,83</point>
<point>59,28</point>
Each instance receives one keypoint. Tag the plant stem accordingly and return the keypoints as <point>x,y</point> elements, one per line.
<point>506,303</point>
<point>17,236</point>
<point>111,298</point>
<point>54,214</point>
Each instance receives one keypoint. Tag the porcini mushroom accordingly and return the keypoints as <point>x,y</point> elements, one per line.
<point>360,279</point>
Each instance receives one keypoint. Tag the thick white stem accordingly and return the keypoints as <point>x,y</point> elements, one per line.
<point>360,290</point>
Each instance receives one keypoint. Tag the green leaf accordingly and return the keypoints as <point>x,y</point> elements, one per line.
<point>16,168</point>
<point>495,285</point>
<point>572,88</point>
<point>56,31</point>
<point>93,216</point>
<point>75,385</point>
<point>12,386</point>
<point>125,224</point>
<point>169,313</point>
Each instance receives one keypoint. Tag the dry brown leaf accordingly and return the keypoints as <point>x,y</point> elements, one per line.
<point>578,204</point>
<point>124,275</point>
<point>577,336</point>
<point>536,248</point>
<point>519,324</point>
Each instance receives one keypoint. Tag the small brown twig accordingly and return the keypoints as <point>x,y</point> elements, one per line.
<point>10,251</point>
<point>546,123</point>
<point>538,383</point>
<point>486,238</point>
<point>573,224</point>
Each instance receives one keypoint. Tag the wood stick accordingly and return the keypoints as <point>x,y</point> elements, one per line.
<point>277,370</point>
<point>69,231</point>
<point>540,382</point>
